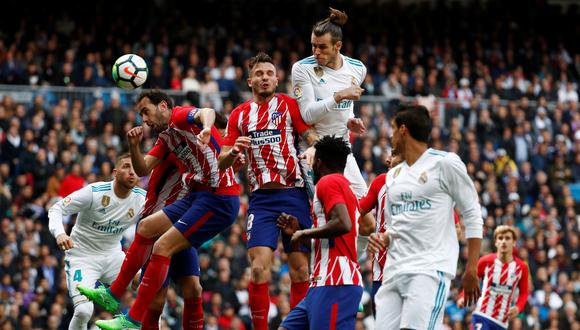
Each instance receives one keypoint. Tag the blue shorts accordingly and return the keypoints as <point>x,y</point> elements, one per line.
<point>201,215</point>
<point>183,264</point>
<point>482,323</point>
<point>327,307</point>
<point>376,287</point>
<point>266,205</point>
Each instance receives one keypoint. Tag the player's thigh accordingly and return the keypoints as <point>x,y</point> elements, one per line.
<point>81,271</point>
<point>207,217</point>
<point>353,174</point>
<point>154,225</point>
<point>261,228</point>
<point>424,301</point>
<point>297,319</point>
<point>112,266</point>
<point>334,307</point>
<point>389,303</point>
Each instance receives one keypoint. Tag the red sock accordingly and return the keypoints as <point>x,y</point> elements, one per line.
<point>193,314</point>
<point>259,305</point>
<point>150,320</point>
<point>152,282</point>
<point>135,258</point>
<point>298,292</point>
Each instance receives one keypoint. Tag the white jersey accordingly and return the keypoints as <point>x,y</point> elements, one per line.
<point>314,87</point>
<point>420,201</point>
<point>102,217</point>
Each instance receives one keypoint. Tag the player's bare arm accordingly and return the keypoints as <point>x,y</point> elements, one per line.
<point>206,117</point>
<point>310,136</point>
<point>142,164</point>
<point>470,281</point>
<point>229,154</point>
<point>338,224</point>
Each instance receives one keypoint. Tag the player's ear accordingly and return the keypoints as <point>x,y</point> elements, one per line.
<point>249,81</point>
<point>338,45</point>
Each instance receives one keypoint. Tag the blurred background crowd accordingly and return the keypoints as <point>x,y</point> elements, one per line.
<point>501,79</point>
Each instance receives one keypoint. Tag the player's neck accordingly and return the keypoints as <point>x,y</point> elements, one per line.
<point>261,99</point>
<point>336,63</point>
<point>120,191</point>
<point>505,257</point>
<point>413,151</point>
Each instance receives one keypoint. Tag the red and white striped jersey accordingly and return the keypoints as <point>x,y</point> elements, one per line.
<point>375,198</point>
<point>499,285</point>
<point>165,185</point>
<point>198,163</point>
<point>334,260</point>
<point>273,128</point>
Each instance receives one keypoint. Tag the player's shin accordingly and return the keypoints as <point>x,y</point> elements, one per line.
<point>152,281</point>
<point>259,305</point>
<point>193,314</point>
<point>136,257</point>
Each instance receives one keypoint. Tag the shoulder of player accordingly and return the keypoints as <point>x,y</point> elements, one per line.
<point>353,62</point>
<point>139,191</point>
<point>101,186</point>
<point>286,98</point>
<point>310,60</point>
<point>379,180</point>
<point>332,179</point>
<point>444,157</point>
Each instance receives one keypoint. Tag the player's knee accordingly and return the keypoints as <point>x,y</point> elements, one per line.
<point>162,247</point>
<point>259,271</point>
<point>84,311</point>
<point>299,273</point>
<point>191,287</point>
<point>147,229</point>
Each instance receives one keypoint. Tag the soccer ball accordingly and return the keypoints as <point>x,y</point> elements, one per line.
<point>130,71</point>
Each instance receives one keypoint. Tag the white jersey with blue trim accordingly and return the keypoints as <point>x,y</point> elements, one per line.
<point>314,87</point>
<point>420,202</point>
<point>102,217</point>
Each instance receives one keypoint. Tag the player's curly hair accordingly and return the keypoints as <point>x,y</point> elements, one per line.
<point>333,152</point>
<point>156,96</point>
<point>332,24</point>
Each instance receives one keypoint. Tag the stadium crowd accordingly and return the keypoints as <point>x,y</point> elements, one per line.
<point>510,111</point>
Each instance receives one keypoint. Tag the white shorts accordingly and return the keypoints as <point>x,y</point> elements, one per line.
<point>352,173</point>
<point>412,301</point>
<point>87,270</point>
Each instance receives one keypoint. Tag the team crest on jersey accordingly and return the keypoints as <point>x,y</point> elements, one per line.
<point>353,81</point>
<point>318,71</point>
<point>66,201</point>
<point>131,213</point>
<point>297,92</point>
<point>276,118</point>
<point>105,200</point>
<point>423,178</point>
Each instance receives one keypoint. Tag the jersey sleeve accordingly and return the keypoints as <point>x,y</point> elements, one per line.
<point>310,109</point>
<point>184,117</point>
<point>159,150</point>
<point>523,287</point>
<point>232,131</point>
<point>299,125</point>
<point>79,200</point>
<point>461,188</point>
<point>368,202</point>
<point>330,193</point>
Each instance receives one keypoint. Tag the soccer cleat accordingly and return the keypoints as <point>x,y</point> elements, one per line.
<point>101,296</point>
<point>120,322</point>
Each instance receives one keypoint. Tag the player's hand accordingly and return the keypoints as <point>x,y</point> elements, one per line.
<point>470,284</point>
<point>242,143</point>
<point>352,93</point>
<point>135,135</point>
<point>296,239</point>
<point>356,125</point>
<point>378,241</point>
<point>64,242</point>
<point>308,155</point>
<point>288,224</point>
<point>239,163</point>
<point>460,302</point>
<point>513,313</point>
<point>204,136</point>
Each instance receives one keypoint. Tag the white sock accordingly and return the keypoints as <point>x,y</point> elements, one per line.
<point>81,316</point>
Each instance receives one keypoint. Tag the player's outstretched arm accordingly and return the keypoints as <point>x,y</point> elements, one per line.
<point>205,117</point>
<point>73,203</point>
